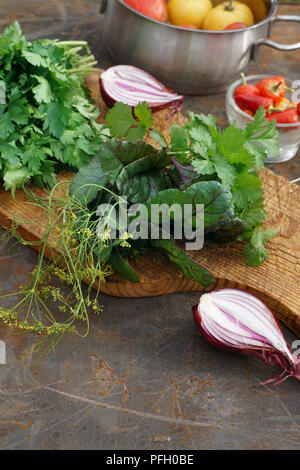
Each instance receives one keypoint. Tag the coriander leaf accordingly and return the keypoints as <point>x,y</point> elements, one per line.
<point>120,121</point>
<point>203,167</point>
<point>261,132</point>
<point>144,114</point>
<point>34,59</point>
<point>158,138</point>
<point>85,108</point>
<point>255,252</point>
<point>247,188</point>
<point>10,153</point>
<point>258,153</point>
<point>135,133</point>
<point>85,145</point>
<point>242,157</point>
<point>178,137</point>
<point>6,126</point>
<point>67,137</point>
<point>201,140</point>
<point>18,112</point>
<point>42,92</point>
<point>224,170</point>
<point>13,179</point>
<point>254,214</point>
<point>208,120</point>
<point>11,35</point>
<point>33,158</point>
<point>57,119</point>
<point>231,141</point>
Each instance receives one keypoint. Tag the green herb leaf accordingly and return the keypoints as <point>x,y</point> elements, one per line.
<point>255,252</point>
<point>192,270</point>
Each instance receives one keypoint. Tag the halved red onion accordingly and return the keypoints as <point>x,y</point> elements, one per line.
<point>132,85</point>
<point>237,321</point>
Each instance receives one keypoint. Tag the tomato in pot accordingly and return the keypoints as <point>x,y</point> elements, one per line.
<point>235,26</point>
<point>191,12</point>
<point>227,13</point>
<point>189,26</point>
<point>155,9</point>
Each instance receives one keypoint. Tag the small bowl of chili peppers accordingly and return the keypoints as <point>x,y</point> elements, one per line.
<point>277,96</point>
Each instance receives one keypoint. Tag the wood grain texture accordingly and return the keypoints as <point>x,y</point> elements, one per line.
<point>276,281</point>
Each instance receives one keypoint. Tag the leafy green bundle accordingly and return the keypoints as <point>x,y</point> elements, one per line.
<point>200,165</point>
<point>46,120</point>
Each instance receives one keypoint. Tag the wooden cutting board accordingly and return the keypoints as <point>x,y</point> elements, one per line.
<point>277,281</point>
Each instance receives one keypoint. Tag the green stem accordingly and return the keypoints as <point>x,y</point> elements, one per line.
<point>244,79</point>
<point>72,43</point>
<point>82,60</point>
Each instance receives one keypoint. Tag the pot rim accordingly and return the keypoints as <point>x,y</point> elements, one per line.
<point>273,9</point>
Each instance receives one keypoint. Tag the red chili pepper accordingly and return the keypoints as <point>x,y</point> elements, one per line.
<point>288,116</point>
<point>272,87</point>
<point>246,89</point>
<point>253,102</point>
<point>284,103</point>
<point>248,111</point>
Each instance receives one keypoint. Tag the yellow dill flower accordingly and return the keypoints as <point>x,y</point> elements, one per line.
<point>125,244</point>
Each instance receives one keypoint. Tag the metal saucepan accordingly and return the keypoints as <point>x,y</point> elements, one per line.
<point>188,61</point>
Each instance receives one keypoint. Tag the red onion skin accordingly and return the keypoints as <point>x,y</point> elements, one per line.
<point>270,356</point>
<point>110,102</point>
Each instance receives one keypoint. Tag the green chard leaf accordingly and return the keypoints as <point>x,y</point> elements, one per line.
<point>178,256</point>
<point>88,182</point>
<point>122,266</point>
<point>136,169</point>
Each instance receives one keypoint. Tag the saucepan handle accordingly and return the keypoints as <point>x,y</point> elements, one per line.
<point>274,44</point>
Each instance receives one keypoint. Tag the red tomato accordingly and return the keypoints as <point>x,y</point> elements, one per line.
<point>298,109</point>
<point>156,9</point>
<point>190,26</point>
<point>236,26</point>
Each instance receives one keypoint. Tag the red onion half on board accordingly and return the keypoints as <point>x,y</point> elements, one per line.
<point>132,85</point>
<point>237,321</point>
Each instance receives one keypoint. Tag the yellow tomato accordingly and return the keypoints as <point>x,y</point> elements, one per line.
<point>227,13</point>
<point>258,8</point>
<point>190,12</point>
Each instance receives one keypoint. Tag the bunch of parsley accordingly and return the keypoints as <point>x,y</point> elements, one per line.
<point>200,152</point>
<point>47,120</point>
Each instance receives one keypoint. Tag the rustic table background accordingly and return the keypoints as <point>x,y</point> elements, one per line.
<point>143,379</point>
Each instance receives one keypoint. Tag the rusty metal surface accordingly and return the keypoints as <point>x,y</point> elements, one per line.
<point>143,379</point>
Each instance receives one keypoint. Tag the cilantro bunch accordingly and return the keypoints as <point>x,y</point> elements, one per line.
<point>47,120</point>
